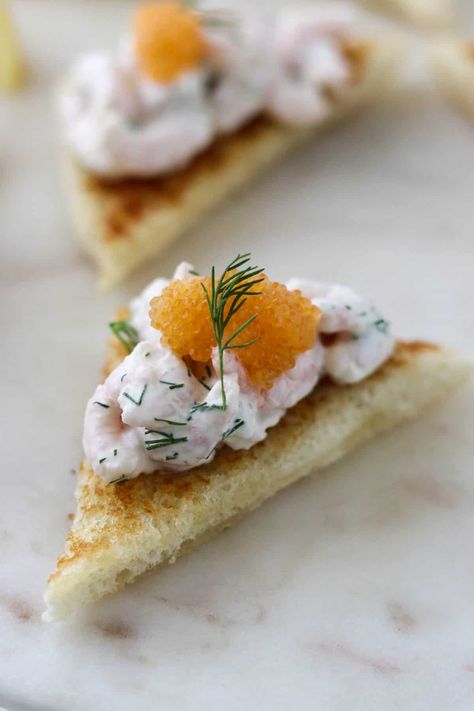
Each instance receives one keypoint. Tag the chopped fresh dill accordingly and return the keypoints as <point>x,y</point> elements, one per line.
<point>165,440</point>
<point>120,480</point>
<point>115,452</point>
<point>349,308</point>
<point>170,422</point>
<point>238,423</point>
<point>170,457</point>
<point>132,123</point>
<point>194,272</point>
<point>381,325</point>
<point>102,404</point>
<point>205,385</point>
<point>102,460</point>
<point>123,376</point>
<point>213,79</point>
<point>126,334</point>
<point>215,18</point>
<point>203,406</point>
<point>147,354</point>
<point>140,399</point>
<point>225,298</point>
<point>172,386</point>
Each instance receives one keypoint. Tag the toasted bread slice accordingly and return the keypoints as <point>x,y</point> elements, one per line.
<point>122,224</point>
<point>452,60</point>
<point>425,14</point>
<point>121,531</point>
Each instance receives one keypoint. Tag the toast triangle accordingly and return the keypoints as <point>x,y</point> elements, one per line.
<point>122,531</point>
<point>123,224</point>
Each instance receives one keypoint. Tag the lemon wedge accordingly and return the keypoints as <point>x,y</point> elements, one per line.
<point>11,63</point>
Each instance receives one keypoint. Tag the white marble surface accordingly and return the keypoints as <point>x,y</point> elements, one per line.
<point>353,590</point>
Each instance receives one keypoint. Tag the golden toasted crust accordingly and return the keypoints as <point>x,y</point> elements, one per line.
<point>123,530</point>
<point>128,200</point>
<point>123,223</point>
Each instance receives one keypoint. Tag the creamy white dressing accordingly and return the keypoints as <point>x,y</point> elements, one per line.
<point>309,62</point>
<point>363,339</point>
<point>119,123</point>
<point>241,70</point>
<point>153,413</point>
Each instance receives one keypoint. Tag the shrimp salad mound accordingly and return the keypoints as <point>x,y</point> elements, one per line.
<point>184,77</point>
<point>216,361</point>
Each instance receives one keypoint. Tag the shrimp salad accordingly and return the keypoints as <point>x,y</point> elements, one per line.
<point>120,121</point>
<point>154,413</point>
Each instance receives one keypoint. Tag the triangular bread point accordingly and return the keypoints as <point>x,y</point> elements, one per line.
<point>123,530</point>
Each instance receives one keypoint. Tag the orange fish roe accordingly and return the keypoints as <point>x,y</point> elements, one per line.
<point>181,313</point>
<point>168,40</point>
<point>286,325</point>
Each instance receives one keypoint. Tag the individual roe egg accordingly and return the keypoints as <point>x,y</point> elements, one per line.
<point>167,40</point>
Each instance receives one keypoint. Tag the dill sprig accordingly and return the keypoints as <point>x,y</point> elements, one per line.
<point>225,298</point>
<point>126,334</point>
